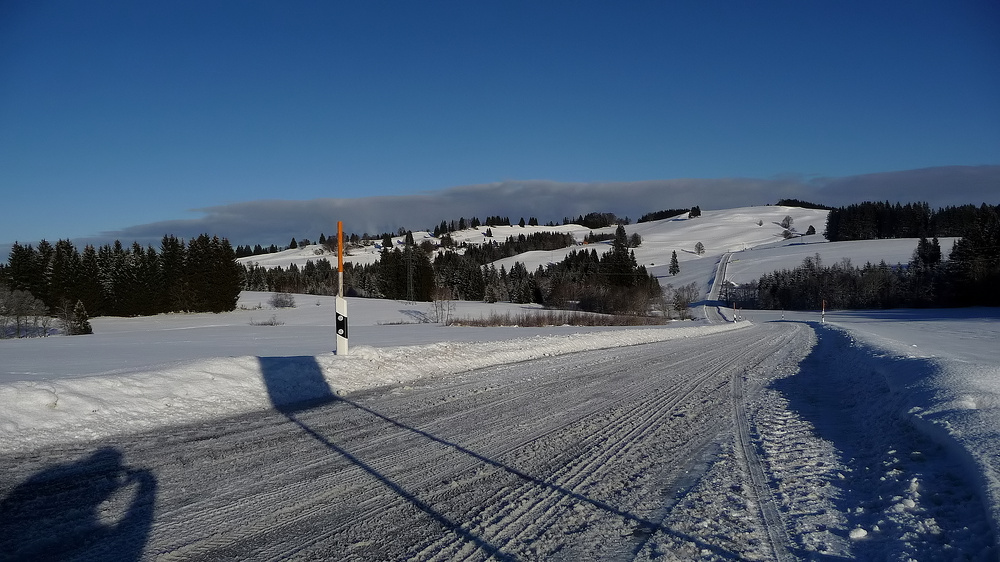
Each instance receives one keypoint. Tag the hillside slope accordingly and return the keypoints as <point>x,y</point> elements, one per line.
<point>753,233</point>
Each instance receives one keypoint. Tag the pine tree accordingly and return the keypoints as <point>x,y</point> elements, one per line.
<point>20,267</point>
<point>226,275</point>
<point>81,322</point>
<point>174,295</point>
<point>198,274</point>
<point>675,267</point>
<point>42,283</point>
<point>64,273</point>
<point>117,281</point>
<point>89,287</point>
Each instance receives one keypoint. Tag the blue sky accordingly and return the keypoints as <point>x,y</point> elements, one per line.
<point>118,114</point>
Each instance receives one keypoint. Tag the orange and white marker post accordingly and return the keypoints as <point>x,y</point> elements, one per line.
<point>341,301</point>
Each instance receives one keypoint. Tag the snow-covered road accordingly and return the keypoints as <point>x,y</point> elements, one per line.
<point>694,448</point>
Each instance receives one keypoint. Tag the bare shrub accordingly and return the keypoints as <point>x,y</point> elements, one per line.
<point>442,307</point>
<point>272,321</point>
<point>22,315</point>
<point>547,318</point>
<point>683,297</point>
<point>282,300</point>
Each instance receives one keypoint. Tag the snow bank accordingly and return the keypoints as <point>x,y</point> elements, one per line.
<point>951,399</point>
<point>39,413</point>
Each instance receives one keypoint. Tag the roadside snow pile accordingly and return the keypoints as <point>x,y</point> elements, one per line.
<point>958,406</point>
<point>40,413</point>
<point>950,399</point>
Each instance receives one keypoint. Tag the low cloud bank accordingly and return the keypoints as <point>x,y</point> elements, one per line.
<point>278,221</point>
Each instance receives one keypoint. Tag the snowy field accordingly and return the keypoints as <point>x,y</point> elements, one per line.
<point>934,371</point>
<point>137,373</point>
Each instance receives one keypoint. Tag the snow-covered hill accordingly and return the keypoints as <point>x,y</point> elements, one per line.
<point>753,234</point>
<point>718,231</point>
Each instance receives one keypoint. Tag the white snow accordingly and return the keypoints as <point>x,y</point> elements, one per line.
<point>140,373</point>
<point>137,373</point>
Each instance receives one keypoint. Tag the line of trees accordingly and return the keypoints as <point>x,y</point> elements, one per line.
<point>256,250</point>
<point>660,215</point>
<point>446,227</point>
<point>801,204</point>
<point>612,283</point>
<point>879,220</point>
<point>201,275</point>
<point>485,253</point>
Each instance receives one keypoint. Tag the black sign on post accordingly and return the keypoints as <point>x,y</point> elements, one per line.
<point>341,325</point>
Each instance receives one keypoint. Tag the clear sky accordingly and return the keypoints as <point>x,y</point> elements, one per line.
<point>121,113</point>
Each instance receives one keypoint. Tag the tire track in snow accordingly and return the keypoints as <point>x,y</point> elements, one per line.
<point>750,462</point>
<point>609,444</point>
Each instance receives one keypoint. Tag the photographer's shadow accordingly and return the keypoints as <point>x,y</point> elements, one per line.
<point>95,508</point>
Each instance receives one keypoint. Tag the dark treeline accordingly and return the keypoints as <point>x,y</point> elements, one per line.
<point>610,283</point>
<point>802,204</point>
<point>200,276</point>
<point>660,215</point>
<point>446,227</point>
<point>878,220</point>
<point>493,251</point>
<point>968,277</point>
<point>596,220</point>
<point>256,250</point>
<point>634,241</point>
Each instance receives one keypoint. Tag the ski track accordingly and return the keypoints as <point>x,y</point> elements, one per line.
<point>740,445</point>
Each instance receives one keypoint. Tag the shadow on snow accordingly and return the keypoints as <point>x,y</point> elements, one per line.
<point>96,508</point>
<point>842,392</point>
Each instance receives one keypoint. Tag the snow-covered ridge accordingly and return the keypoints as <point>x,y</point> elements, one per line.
<point>719,231</point>
<point>40,413</point>
<point>753,234</point>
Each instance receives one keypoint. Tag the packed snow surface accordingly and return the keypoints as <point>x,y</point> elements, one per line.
<point>874,437</point>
